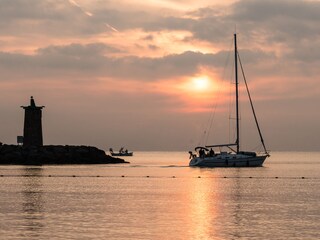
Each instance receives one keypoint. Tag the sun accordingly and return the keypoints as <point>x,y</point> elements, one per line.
<point>197,85</point>
<point>200,83</point>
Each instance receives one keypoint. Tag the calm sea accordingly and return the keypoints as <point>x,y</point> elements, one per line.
<point>158,196</point>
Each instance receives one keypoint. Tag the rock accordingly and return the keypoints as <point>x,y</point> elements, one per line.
<point>54,154</point>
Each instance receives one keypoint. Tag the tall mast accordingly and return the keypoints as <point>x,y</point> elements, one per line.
<point>237,90</point>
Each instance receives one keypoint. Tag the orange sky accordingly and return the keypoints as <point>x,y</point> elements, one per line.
<point>149,74</point>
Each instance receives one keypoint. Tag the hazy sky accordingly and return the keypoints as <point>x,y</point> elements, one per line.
<point>145,74</point>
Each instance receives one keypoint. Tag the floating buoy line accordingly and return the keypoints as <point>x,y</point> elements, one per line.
<point>148,176</point>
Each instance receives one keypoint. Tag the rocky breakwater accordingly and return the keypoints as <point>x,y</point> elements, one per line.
<point>54,154</point>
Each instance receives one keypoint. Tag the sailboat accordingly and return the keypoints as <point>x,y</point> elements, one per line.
<point>206,156</point>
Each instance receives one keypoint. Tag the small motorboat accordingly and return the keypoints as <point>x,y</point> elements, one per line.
<point>122,152</point>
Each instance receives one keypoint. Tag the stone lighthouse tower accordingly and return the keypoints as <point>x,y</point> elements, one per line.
<point>32,132</point>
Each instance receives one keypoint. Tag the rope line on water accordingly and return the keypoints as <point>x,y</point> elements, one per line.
<point>148,176</point>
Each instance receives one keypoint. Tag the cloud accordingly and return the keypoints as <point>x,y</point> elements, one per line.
<point>272,34</point>
<point>279,20</point>
<point>54,18</point>
<point>78,50</point>
<point>92,59</point>
<point>261,11</point>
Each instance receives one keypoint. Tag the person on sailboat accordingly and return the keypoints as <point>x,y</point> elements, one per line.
<point>211,152</point>
<point>192,155</point>
<point>202,153</point>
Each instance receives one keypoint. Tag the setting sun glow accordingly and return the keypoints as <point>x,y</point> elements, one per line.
<point>200,83</point>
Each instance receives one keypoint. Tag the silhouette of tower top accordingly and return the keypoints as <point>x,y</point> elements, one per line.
<point>32,105</point>
<point>32,132</point>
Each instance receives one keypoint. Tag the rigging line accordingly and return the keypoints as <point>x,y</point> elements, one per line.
<point>214,107</point>
<point>210,122</point>
<point>232,117</point>
<point>256,148</point>
<point>254,113</point>
<point>240,117</point>
<point>230,85</point>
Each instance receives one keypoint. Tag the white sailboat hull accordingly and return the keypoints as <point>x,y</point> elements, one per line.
<point>231,160</point>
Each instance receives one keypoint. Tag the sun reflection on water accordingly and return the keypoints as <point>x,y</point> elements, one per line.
<point>203,208</point>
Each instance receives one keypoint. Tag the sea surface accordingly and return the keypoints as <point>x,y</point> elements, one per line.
<point>158,196</point>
